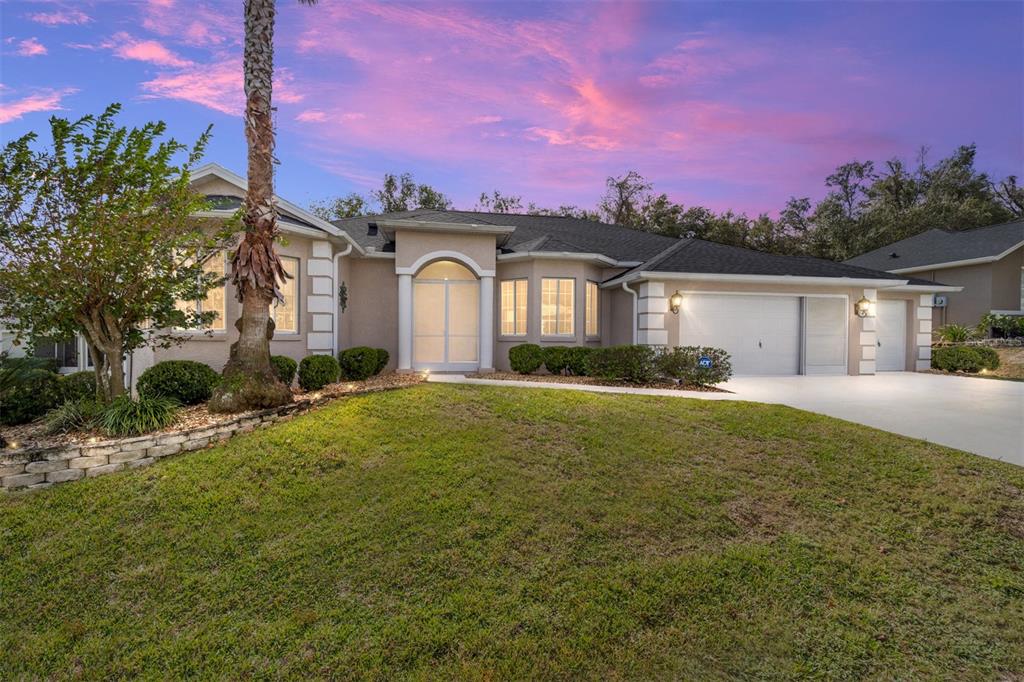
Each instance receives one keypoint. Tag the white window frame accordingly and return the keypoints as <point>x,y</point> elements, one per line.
<point>572,317</point>
<point>515,308</point>
<point>586,309</point>
<point>298,298</point>
<point>199,305</point>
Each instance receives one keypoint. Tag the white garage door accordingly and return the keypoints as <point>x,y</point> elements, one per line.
<point>761,333</point>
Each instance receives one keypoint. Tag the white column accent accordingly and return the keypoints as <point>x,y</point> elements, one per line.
<point>651,306</point>
<point>868,335</point>
<point>405,323</point>
<point>486,323</point>
<point>320,275</point>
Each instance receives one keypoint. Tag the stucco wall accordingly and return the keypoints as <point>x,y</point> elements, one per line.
<point>987,287</point>
<point>410,246</point>
<point>1006,276</point>
<point>372,315</point>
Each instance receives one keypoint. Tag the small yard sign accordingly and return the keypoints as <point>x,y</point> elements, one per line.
<point>705,362</point>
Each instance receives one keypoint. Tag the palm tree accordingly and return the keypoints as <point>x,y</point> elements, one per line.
<point>249,381</point>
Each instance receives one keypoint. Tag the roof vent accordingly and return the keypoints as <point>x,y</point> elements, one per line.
<point>371,229</point>
<point>894,255</point>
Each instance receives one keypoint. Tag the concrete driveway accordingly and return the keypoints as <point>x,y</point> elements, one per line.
<point>983,416</point>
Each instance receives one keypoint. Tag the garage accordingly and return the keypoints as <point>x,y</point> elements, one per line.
<point>765,334</point>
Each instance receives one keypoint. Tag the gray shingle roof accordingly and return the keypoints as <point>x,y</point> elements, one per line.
<point>942,246</point>
<point>700,256</point>
<point>532,233</point>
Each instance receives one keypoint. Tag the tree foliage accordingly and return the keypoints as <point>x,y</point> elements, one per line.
<point>496,202</point>
<point>97,238</point>
<point>397,193</point>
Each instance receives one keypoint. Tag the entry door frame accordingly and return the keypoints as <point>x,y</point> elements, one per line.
<point>446,366</point>
<point>802,341</point>
<point>901,339</point>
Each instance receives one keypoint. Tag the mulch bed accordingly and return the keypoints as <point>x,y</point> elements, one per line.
<point>196,416</point>
<point>593,381</point>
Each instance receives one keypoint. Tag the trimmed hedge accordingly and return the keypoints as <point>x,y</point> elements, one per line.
<point>359,362</point>
<point>33,395</point>
<point>632,363</point>
<point>284,368</point>
<point>970,359</point>
<point>556,358</point>
<point>683,363</point>
<point>382,360</point>
<point>526,358</point>
<point>316,371</point>
<point>186,381</point>
<point>78,386</point>
<point>576,360</point>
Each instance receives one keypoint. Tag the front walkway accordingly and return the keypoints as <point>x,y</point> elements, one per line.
<point>983,416</point>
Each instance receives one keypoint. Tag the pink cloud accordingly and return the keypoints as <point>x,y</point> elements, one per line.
<point>126,47</point>
<point>311,116</point>
<point>60,17</point>
<point>44,100</point>
<point>30,47</point>
<point>217,86</point>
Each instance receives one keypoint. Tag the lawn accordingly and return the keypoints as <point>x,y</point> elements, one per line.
<point>487,533</point>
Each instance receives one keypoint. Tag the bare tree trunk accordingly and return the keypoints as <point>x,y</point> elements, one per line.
<point>249,381</point>
<point>106,348</point>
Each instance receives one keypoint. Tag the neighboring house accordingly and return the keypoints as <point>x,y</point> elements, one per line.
<point>987,262</point>
<point>454,290</point>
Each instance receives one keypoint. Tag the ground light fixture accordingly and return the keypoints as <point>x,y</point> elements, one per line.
<point>675,302</point>
<point>862,307</point>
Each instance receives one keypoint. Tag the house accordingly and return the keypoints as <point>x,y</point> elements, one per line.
<point>455,290</point>
<point>987,262</point>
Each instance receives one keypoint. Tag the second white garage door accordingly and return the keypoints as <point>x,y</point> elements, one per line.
<point>763,334</point>
<point>760,333</point>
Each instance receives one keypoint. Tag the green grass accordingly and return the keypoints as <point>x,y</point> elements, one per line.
<point>488,533</point>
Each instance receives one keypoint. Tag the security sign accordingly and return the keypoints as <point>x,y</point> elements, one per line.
<point>705,362</point>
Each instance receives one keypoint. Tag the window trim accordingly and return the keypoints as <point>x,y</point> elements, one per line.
<point>597,309</point>
<point>515,307</point>
<point>298,297</point>
<point>572,317</point>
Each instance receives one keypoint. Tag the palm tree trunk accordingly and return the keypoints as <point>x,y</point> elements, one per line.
<point>249,382</point>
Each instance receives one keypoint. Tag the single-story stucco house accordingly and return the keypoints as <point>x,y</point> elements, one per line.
<point>987,262</point>
<point>454,290</point>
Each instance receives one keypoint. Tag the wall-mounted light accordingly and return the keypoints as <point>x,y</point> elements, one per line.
<point>675,302</point>
<point>862,307</point>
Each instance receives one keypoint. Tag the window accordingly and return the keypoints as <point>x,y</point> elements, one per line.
<point>286,315</point>
<point>64,352</point>
<point>592,307</point>
<point>513,307</point>
<point>215,297</point>
<point>556,307</point>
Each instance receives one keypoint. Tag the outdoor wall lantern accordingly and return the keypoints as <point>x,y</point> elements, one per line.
<point>862,307</point>
<point>675,302</point>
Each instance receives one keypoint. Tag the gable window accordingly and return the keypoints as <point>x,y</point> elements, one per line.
<point>557,298</point>
<point>592,305</point>
<point>215,297</point>
<point>286,315</point>
<point>513,307</point>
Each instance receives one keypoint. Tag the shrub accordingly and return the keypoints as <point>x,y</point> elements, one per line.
<point>28,362</point>
<point>683,363</point>
<point>576,362</point>
<point>955,333</point>
<point>284,368</point>
<point>78,386</point>
<point>358,363</point>
<point>968,359</point>
<point>316,371</point>
<point>127,417</point>
<point>632,363</point>
<point>30,396</point>
<point>382,360</point>
<point>526,358</point>
<point>186,381</point>
<point>74,415</point>
<point>1005,326</point>
<point>556,358</point>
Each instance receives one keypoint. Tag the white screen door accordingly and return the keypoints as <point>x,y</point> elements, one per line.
<point>446,318</point>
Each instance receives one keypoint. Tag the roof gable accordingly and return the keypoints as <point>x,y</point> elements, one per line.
<point>945,247</point>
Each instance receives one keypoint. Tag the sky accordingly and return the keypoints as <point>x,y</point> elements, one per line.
<point>729,105</point>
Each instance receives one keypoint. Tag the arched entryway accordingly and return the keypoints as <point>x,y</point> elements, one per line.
<point>446,318</point>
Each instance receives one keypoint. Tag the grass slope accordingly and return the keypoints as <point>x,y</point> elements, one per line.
<point>471,532</point>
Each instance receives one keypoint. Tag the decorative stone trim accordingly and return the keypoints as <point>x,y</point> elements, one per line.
<point>868,336</point>
<point>651,307</point>
<point>320,298</point>
<point>42,467</point>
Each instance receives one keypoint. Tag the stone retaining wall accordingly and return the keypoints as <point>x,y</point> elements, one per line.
<point>41,467</point>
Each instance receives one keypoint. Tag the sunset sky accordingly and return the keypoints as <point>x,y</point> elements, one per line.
<point>734,105</point>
